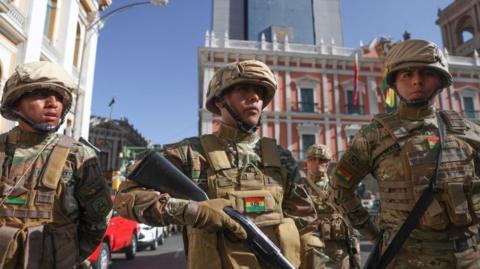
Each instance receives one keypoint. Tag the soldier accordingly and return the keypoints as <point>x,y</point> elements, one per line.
<point>54,201</point>
<point>235,167</point>
<point>337,247</point>
<point>400,150</point>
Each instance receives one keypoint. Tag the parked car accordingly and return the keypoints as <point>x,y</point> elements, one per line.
<point>121,236</point>
<point>151,236</point>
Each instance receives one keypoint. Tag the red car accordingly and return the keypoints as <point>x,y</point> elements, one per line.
<point>121,236</point>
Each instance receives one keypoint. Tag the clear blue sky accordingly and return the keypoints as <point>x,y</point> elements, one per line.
<point>147,56</point>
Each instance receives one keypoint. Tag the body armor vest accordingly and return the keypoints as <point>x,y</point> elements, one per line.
<point>256,192</point>
<point>457,201</point>
<point>331,225</point>
<point>27,196</point>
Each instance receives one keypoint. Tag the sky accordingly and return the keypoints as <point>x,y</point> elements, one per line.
<point>147,56</point>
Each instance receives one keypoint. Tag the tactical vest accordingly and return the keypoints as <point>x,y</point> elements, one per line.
<point>256,192</point>
<point>28,210</point>
<point>458,199</point>
<point>331,225</point>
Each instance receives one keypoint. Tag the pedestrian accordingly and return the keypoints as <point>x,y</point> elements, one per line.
<point>334,243</point>
<point>54,201</point>
<point>236,168</point>
<point>402,150</point>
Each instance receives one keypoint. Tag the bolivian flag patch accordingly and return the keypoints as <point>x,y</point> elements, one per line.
<point>254,204</point>
<point>433,142</point>
<point>343,174</point>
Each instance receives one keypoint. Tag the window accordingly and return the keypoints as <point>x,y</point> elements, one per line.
<point>78,47</point>
<point>307,141</point>
<point>350,108</point>
<point>50,19</point>
<point>306,103</point>
<point>468,107</point>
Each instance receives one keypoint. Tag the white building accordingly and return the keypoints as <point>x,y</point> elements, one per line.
<point>53,30</point>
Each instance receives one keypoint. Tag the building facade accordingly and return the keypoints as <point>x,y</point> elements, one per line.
<point>314,99</point>
<point>56,31</point>
<point>460,26</point>
<point>300,21</point>
<point>112,138</point>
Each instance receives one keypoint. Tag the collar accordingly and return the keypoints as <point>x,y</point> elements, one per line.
<point>18,136</point>
<point>236,135</point>
<point>415,113</point>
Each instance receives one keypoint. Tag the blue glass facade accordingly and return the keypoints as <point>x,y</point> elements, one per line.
<point>296,17</point>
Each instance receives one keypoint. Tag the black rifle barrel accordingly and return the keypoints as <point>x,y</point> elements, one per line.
<point>156,172</point>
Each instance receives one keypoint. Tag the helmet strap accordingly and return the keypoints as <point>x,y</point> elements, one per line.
<point>240,123</point>
<point>44,128</point>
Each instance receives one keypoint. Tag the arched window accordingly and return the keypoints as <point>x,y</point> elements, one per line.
<point>77,54</point>
<point>50,19</point>
<point>467,34</point>
<point>464,29</point>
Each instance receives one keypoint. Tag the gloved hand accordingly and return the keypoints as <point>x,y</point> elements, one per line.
<point>209,215</point>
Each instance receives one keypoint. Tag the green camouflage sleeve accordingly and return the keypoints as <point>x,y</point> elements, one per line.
<point>296,203</point>
<point>95,203</point>
<point>354,165</point>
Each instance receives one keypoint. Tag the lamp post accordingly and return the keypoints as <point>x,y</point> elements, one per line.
<point>97,24</point>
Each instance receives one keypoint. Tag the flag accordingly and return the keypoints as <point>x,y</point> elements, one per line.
<point>389,93</point>
<point>355,81</point>
<point>112,102</point>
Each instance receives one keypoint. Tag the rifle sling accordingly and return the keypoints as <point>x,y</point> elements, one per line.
<point>418,210</point>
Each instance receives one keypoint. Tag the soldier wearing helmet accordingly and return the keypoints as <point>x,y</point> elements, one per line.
<point>328,236</point>
<point>54,201</point>
<point>402,151</point>
<point>235,167</point>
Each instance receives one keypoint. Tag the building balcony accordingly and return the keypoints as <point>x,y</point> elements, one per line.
<point>473,115</point>
<point>12,22</point>
<point>306,107</point>
<point>354,110</point>
<point>299,155</point>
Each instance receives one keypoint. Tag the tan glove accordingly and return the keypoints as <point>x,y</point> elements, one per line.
<point>209,215</point>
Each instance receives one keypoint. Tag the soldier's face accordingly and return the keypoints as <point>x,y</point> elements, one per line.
<point>246,100</point>
<point>317,166</point>
<point>41,106</point>
<point>417,83</point>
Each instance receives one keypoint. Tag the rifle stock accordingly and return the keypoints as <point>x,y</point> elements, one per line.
<point>156,172</point>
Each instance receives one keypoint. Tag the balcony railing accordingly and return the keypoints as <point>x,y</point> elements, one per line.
<point>299,155</point>
<point>306,107</point>
<point>472,114</point>
<point>351,109</point>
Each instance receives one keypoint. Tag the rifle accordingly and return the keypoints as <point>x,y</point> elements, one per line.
<point>351,250</point>
<point>375,254</point>
<point>156,172</point>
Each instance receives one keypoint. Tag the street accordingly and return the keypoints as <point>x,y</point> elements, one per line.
<point>170,255</point>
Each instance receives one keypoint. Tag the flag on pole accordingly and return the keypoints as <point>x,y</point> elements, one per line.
<point>355,81</point>
<point>389,93</point>
<point>112,102</point>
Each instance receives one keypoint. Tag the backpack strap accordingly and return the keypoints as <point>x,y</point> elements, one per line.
<point>270,155</point>
<point>56,162</point>
<point>215,152</point>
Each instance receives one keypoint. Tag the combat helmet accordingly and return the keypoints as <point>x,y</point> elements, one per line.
<point>32,77</point>
<point>319,151</point>
<point>248,72</point>
<point>415,53</point>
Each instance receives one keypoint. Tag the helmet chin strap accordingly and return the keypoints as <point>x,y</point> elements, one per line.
<point>39,127</point>
<point>418,102</point>
<point>240,123</point>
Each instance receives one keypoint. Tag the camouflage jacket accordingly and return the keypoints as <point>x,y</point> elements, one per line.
<point>82,198</point>
<point>373,150</point>
<point>141,204</point>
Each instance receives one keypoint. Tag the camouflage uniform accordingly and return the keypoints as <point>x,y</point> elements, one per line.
<point>45,225</point>
<point>399,149</point>
<point>330,251</point>
<point>246,159</point>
